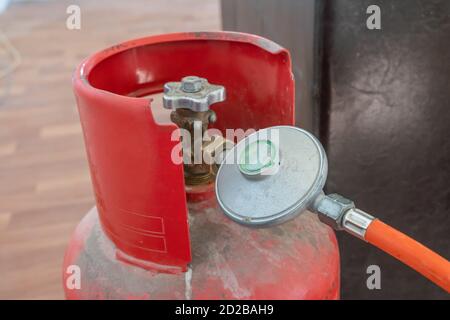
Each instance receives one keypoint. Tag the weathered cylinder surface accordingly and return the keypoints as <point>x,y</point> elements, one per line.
<point>296,260</point>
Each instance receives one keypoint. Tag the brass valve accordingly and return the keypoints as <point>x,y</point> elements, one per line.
<point>190,100</point>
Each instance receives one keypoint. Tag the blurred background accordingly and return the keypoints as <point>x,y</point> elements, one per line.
<point>377,99</point>
<point>45,186</point>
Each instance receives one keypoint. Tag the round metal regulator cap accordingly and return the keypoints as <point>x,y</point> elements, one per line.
<point>271,176</point>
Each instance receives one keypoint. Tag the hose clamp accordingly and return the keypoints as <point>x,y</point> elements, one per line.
<point>356,222</point>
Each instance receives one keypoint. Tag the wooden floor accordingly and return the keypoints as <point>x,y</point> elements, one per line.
<point>44,182</point>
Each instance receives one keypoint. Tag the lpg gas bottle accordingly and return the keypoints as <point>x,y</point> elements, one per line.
<point>157,231</point>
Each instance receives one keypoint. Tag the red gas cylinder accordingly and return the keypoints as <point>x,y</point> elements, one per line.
<point>152,237</point>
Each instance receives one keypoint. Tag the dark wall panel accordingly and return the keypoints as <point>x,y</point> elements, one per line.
<point>387,97</point>
<point>291,24</point>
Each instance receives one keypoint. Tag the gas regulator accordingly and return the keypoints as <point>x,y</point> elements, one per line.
<point>278,173</point>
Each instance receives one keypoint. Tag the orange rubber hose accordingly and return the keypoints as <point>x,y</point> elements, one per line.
<point>410,252</point>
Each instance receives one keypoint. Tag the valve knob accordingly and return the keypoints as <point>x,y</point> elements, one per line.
<point>193,93</point>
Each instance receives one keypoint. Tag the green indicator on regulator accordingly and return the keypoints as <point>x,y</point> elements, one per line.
<point>256,189</point>
<point>260,157</point>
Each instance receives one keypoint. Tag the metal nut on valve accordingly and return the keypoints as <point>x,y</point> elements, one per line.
<point>331,209</point>
<point>192,84</point>
<point>193,93</point>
